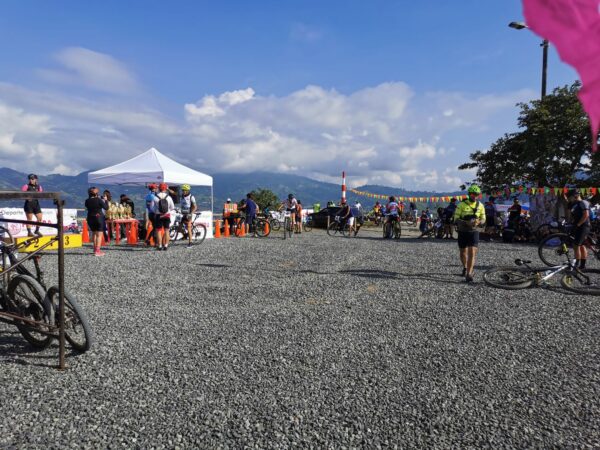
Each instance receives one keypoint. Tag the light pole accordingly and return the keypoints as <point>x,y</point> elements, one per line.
<point>544,45</point>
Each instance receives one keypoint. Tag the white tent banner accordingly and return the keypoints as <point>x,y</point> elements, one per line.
<point>49,215</point>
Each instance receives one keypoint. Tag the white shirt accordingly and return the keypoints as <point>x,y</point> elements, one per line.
<point>159,196</point>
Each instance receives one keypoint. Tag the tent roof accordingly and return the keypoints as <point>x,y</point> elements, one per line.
<point>149,167</point>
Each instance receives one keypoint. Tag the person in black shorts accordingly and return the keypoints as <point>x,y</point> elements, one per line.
<point>32,207</point>
<point>95,218</point>
<point>580,213</point>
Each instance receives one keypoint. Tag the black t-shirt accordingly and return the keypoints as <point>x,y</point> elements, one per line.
<point>577,210</point>
<point>514,212</point>
<point>95,205</point>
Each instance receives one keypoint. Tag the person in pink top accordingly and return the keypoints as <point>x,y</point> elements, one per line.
<point>32,207</point>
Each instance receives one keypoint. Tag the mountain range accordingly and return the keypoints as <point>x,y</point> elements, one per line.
<point>234,185</point>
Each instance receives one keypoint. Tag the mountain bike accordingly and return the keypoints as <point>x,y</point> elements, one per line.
<point>586,281</point>
<point>179,231</point>
<point>288,226</point>
<point>409,218</point>
<point>35,307</point>
<point>339,227</point>
<point>392,227</point>
<point>557,249</point>
<point>308,225</point>
<point>549,228</point>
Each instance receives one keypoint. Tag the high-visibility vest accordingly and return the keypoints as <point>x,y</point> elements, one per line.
<point>229,208</point>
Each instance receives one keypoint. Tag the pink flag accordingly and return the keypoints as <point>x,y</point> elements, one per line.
<point>573,26</point>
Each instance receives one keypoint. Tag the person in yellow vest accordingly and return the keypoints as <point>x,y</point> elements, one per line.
<point>469,214</point>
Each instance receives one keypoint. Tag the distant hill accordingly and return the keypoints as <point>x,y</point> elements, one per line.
<point>309,191</point>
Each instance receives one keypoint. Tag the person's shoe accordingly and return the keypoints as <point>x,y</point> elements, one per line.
<point>30,233</point>
<point>99,253</point>
<point>469,278</point>
<point>38,232</point>
<point>158,249</point>
<point>165,248</point>
<point>189,246</point>
<point>464,271</point>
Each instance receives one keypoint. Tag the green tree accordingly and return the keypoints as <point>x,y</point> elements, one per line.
<point>265,198</point>
<point>552,148</point>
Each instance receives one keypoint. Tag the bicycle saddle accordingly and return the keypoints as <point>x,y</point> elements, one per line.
<point>520,262</point>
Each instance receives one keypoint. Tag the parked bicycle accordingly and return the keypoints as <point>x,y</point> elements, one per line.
<point>36,307</point>
<point>557,249</point>
<point>409,218</point>
<point>308,224</point>
<point>288,226</point>
<point>522,276</point>
<point>179,231</point>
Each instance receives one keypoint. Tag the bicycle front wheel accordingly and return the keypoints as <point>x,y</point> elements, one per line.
<point>274,224</point>
<point>586,281</point>
<point>198,233</point>
<point>26,297</point>
<point>307,226</point>
<point>556,249</point>
<point>78,332</point>
<point>260,228</point>
<point>397,230</point>
<point>387,230</point>
<point>509,277</point>
<point>333,228</point>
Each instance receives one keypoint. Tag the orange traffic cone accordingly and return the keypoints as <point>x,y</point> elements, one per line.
<point>85,233</point>
<point>241,228</point>
<point>226,234</point>
<point>267,228</point>
<point>217,229</point>
<point>132,236</point>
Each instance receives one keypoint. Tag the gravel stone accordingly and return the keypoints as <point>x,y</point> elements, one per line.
<point>313,341</point>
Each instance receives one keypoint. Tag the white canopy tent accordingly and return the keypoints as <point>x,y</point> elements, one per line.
<point>151,167</point>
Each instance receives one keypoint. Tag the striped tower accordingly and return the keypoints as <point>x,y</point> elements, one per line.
<point>343,187</point>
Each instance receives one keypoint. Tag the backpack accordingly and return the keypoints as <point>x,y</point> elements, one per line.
<point>163,204</point>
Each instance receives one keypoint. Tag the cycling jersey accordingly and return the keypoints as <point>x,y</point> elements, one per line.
<point>468,209</point>
<point>291,205</point>
<point>578,210</point>
<point>392,208</point>
<point>187,202</point>
<point>150,200</point>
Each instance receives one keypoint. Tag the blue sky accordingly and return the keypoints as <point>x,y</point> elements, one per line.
<point>393,92</point>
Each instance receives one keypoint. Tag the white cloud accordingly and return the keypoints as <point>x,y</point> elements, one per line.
<point>91,69</point>
<point>384,134</point>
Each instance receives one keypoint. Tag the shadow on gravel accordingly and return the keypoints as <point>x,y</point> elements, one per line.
<point>15,350</point>
<point>214,265</point>
<point>384,274</point>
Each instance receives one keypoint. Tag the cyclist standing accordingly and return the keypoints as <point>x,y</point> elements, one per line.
<point>32,207</point>
<point>580,212</point>
<point>150,211</point>
<point>188,208</point>
<point>448,215</point>
<point>391,212</point>
<point>164,206</point>
<point>468,215</point>
<point>95,218</point>
<point>291,205</point>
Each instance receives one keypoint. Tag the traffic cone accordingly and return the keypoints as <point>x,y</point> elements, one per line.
<point>267,228</point>
<point>226,234</point>
<point>132,236</point>
<point>217,228</point>
<point>85,233</point>
<point>241,228</point>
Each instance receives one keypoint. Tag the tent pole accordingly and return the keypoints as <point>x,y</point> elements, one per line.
<point>212,206</point>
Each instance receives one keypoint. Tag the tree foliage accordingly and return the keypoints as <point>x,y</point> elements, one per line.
<point>552,148</point>
<point>265,198</point>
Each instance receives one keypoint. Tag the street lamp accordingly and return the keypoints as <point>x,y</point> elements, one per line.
<point>544,45</point>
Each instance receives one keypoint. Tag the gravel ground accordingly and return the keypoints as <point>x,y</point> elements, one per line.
<point>314,341</point>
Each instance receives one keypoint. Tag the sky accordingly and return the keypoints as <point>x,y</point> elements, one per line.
<point>397,93</point>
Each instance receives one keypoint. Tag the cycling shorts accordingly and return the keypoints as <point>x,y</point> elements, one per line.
<point>187,217</point>
<point>468,239</point>
<point>580,234</point>
<point>161,222</point>
<point>96,223</point>
<point>32,207</point>
<point>291,210</point>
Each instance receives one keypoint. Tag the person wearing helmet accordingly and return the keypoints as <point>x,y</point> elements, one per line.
<point>95,218</point>
<point>150,212</point>
<point>291,205</point>
<point>32,207</point>
<point>469,214</point>
<point>392,212</point>
<point>188,208</point>
<point>580,215</point>
<point>447,216</point>
<point>164,207</point>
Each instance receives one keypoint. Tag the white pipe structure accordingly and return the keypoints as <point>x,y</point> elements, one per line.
<point>343,187</point>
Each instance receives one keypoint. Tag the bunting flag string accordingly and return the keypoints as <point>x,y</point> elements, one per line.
<point>506,192</point>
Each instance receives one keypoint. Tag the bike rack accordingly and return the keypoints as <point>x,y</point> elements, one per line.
<point>11,318</point>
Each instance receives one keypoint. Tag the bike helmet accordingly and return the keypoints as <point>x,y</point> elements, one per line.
<point>290,196</point>
<point>163,187</point>
<point>186,187</point>
<point>392,199</point>
<point>32,176</point>
<point>572,193</point>
<point>152,186</point>
<point>474,189</point>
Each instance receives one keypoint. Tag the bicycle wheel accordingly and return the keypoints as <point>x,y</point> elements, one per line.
<point>387,230</point>
<point>509,277</point>
<point>397,230</point>
<point>410,220</point>
<point>274,224</point>
<point>333,229</point>
<point>260,228</point>
<point>308,225</point>
<point>198,233</point>
<point>586,281</point>
<point>556,249</point>
<point>77,328</point>
<point>26,297</point>
<point>174,233</point>
<point>289,228</point>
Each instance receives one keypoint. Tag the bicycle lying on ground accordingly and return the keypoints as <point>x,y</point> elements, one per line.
<point>34,307</point>
<point>179,231</point>
<point>522,276</point>
<point>557,249</point>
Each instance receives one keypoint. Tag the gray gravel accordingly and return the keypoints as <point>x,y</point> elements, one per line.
<point>313,341</point>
